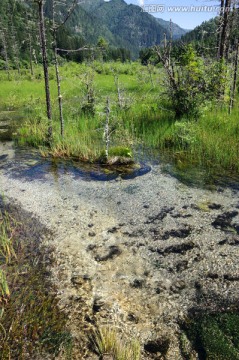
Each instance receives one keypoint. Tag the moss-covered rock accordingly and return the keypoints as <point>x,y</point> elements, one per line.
<point>117,155</point>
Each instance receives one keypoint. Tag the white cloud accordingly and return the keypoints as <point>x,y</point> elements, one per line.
<point>141,2</point>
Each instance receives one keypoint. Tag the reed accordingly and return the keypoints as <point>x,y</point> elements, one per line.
<point>107,341</point>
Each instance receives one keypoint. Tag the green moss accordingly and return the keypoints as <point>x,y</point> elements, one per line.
<point>215,336</point>
<point>120,151</point>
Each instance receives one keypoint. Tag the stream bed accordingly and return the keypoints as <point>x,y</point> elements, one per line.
<point>141,253</point>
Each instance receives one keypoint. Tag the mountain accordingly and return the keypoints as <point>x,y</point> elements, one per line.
<point>130,27</point>
<point>92,5</point>
<point>204,37</point>
<point>207,30</point>
<point>124,27</point>
<point>177,31</point>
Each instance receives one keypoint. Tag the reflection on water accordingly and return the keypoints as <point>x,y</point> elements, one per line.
<point>26,163</point>
<point>187,173</point>
<point>21,168</point>
<point>202,177</point>
<point>8,122</point>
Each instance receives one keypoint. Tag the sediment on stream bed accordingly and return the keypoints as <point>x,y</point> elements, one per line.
<point>138,255</point>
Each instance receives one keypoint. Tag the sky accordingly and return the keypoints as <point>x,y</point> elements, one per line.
<point>186,13</point>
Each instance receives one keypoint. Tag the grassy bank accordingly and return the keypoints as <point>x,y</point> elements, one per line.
<point>140,114</point>
<point>30,322</point>
<point>212,141</point>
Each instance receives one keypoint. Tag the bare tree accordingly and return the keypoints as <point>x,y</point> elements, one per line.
<point>5,50</point>
<point>224,30</point>
<point>234,82</point>
<point>30,53</point>
<point>220,26</point>
<point>231,26</point>
<point>42,32</point>
<point>30,38</point>
<point>107,131</point>
<point>15,48</point>
<point>58,79</point>
<point>119,94</point>
<point>55,27</point>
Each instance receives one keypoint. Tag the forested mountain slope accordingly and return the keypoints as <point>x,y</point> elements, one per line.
<point>123,27</point>
<point>177,31</point>
<point>120,24</point>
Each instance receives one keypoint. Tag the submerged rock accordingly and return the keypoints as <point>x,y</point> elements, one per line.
<point>175,249</point>
<point>224,221</point>
<point>160,345</point>
<point>181,233</point>
<point>104,254</point>
<point>118,160</point>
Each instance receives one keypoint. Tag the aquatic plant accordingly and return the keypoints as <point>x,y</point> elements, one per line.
<point>7,227</point>
<point>30,321</point>
<point>107,341</point>
<point>4,289</point>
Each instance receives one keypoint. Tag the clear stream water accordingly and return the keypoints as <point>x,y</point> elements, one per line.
<point>27,164</point>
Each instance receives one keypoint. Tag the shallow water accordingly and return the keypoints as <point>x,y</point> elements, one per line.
<point>31,167</point>
<point>143,217</point>
<point>191,175</point>
<point>26,163</point>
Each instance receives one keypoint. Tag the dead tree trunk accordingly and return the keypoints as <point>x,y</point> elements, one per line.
<point>220,25</point>
<point>224,37</point>
<point>170,41</point>
<point>232,23</point>
<point>13,36</point>
<point>5,52</point>
<point>58,79</point>
<point>119,96</point>
<point>235,72</point>
<point>15,48</point>
<point>107,129</point>
<point>30,53</point>
<point>42,32</point>
<point>55,28</point>
<point>30,30</point>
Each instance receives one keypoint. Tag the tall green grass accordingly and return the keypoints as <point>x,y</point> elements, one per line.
<point>145,117</point>
<point>211,141</point>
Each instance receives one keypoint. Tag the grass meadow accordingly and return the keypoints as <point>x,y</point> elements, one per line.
<point>139,114</point>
